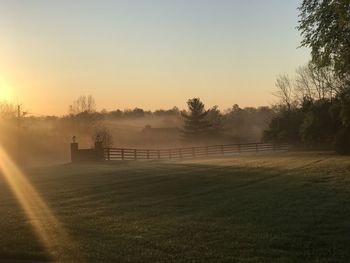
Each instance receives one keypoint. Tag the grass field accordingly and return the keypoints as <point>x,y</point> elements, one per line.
<point>291,207</point>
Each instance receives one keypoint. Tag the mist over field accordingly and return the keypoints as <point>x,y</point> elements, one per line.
<point>45,140</point>
<point>175,131</point>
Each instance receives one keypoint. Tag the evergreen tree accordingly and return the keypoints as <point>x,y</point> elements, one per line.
<point>215,118</point>
<point>196,125</point>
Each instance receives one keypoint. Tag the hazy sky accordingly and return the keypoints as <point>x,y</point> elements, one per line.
<point>146,53</point>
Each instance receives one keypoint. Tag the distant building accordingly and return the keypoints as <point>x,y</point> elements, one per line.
<point>161,135</point>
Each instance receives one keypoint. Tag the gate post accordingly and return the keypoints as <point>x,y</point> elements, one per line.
<point>74,147</point>
<point>100,155</point>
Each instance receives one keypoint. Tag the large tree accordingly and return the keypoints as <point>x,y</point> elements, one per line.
<point>317,83</point>
<point>196,125</point>
<point>325,27</point>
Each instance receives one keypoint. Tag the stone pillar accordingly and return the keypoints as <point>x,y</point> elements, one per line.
<point>100,155</point>
<point>74,148</point>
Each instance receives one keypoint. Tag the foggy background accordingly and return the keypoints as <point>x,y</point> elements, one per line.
<point>45,140</point>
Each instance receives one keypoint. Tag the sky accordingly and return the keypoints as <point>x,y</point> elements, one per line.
<point>146,53</point>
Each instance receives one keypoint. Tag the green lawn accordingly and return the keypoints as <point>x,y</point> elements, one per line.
<point>289,207</point>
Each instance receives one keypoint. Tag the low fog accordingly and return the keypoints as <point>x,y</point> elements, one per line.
<point>45,140</point>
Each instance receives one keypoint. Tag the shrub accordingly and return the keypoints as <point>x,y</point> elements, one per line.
<point>342,141</point>
<point>103,135</point>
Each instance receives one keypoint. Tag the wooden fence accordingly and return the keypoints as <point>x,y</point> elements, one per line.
<point>112,154</point>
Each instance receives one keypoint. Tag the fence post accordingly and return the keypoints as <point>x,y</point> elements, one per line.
<point>108,154</point>
<point>147,154</point>
<point>222,149</point>
<point>193,152</point>
<point>135,154</point>
<point>122,153</point>
<point>99,151</point>
<point>257,147</point>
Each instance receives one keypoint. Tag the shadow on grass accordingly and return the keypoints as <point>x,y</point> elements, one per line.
<point>244,210</point>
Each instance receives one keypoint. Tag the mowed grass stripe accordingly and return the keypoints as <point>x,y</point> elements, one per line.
<point>291,207</point>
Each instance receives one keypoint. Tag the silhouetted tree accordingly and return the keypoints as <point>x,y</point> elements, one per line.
<point>285,91</point>
<point>325,27</point>
<point>84,104</point>
<point>7,110</point>
<point>115,114</point>
<point>285,126</point>
<point>342,141</point>
<point>345,107</point>
<point>247,124</point>
<point>196,125</point>
<point>104,135</point>
<point>215,118</point>
<point>171,112</point>
<point>317,83</point>
<point>321,123</point>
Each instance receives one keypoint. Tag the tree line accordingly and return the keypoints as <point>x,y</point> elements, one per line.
<point>196,123</point>
<point>314,107</point>
<point>199,123</point>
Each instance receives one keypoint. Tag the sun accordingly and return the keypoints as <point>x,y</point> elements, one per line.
<point>6,92</point>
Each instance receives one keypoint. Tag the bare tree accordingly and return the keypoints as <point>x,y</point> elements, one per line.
<point>83,104</point>
<point>285,90</point>
<point>317,83</point>
<point>91,105</point>
<point>304,88</point>
<point>7,110</point>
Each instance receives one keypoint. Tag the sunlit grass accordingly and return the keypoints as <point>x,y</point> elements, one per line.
<point>47,227</point>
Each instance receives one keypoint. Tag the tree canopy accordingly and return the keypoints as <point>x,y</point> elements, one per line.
<point>325,28</point>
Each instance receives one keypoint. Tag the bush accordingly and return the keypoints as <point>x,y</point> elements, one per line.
<point>285,126</point>
<point>103,135</point>
<point>321,123</point>
<point>342,141</point>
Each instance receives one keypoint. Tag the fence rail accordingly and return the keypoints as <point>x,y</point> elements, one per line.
<point>112,154</point>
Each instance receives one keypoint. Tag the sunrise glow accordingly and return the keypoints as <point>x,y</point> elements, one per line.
<point>6,91</point>
<point>151,55</point>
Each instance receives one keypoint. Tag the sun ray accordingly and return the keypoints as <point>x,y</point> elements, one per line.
<point>48,228</point>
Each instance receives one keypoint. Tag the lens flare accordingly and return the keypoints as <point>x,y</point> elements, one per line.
<point>49,230</point>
